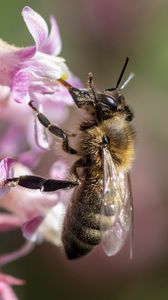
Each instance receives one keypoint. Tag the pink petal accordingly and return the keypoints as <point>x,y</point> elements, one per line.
<point>53,44</point>
<point>20,86</point>
<point>41,137</point>
<point>36,26</point>
<point>29,228</point>
<point>30,158</point>
<point>6,292</point>
<point>26,53</point>
<point>8,222</point>
<point>12,133</point>
<point>5,172</point>
<point>58,170</point>
<point>52,106</point>
<point>9,257</point>
<point>62,96</point>
<point>5,167</point>
<point>75,81</point>
<point>10,279</point>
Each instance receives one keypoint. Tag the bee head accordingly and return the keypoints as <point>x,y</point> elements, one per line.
<point>113,99</point>
<point>112,103</point>
<point>106,103</point>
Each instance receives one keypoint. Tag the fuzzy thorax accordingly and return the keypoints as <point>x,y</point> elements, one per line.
<point>120,135</point>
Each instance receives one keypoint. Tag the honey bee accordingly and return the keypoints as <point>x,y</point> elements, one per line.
<point>101,208</point>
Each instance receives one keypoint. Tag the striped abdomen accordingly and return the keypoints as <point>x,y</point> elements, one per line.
<point>81,230</point>
<point>81,226</point>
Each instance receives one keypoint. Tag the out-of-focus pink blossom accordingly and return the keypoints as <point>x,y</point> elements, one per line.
<point>39,214</point>
<point>31,73</point>
<point>8,222</point>
<point>5,172</point>
<point>58,170</point>
<point>26,70</point>
<point>6,281</point>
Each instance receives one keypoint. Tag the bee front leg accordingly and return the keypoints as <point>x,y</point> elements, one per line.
<point>39,183</point>
<point>54,129</point>
<point>88,125</point>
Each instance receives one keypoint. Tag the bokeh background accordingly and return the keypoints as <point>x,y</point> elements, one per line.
<point>97,35</point>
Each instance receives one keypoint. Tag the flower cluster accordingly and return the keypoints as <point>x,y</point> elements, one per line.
<point>30,74</point>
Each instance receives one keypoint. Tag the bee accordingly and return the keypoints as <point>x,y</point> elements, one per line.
<point>101,208</point>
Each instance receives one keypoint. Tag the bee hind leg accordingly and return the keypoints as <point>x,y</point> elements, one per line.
<point>54,129</point>
<point>39,183</point>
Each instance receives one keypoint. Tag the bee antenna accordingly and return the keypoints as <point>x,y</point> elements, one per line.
<point>91,85</point>
<point>90,80</point>
<point>130,77</point>
<point>121,75</point>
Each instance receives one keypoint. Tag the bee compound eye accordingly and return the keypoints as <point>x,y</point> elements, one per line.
<point>111,102</point>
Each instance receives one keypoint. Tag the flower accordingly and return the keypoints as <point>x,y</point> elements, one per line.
<point>40,215</point>
<point>9,222</point>
<point>31,73</point>
<point>25,70</point>
<point>5,172</point>
<point>6,292</point>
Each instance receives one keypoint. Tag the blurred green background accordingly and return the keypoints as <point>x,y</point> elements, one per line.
<point>97,35</point>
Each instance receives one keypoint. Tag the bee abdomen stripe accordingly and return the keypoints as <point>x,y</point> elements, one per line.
<point>78,241</point>
<point>84,233</point>
<point>92,220</point>
<point>73,247</point>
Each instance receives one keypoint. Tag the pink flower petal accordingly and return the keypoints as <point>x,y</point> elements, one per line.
<point>5,172</point>
<point>6,292</point>
<point>36,26</point>
<point>11,133</point>
<point>20,86</point>
<point>41,137</point>
<point>5,166</point>
<point>29,228</point>
<point>9,257</point>
<point>53,44</point>
<point>51,106</point>
<point>30,158</point>
<point>10,279</point>
<point>75,81</point>
<point>58,170</point>
<point>26,53</point>
<point>8,222</point>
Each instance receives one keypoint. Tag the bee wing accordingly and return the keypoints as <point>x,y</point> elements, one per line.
<point>117,208</point>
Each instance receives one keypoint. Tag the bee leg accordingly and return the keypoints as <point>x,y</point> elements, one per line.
<point>88,125</point>
<point>80,163</point>
<point>54,129</point>
<point>39,183</point>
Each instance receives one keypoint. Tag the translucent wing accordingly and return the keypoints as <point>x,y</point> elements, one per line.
<point>116,214</point>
